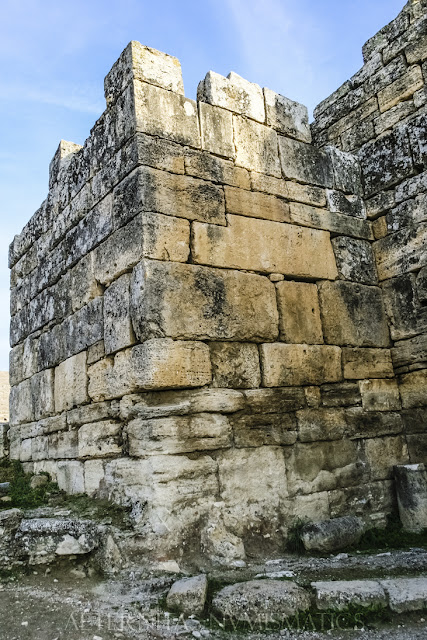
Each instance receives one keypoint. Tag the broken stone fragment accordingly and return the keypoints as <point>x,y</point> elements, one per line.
<point>330,535</point>
<point>339,594</point>
<point>188,596</point>
<point>411,488</point>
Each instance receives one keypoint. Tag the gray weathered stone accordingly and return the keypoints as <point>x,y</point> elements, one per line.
<point>332,535</point>
<point>188,595</point>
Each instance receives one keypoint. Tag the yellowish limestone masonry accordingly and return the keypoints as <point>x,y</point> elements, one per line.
<point>202,306</point>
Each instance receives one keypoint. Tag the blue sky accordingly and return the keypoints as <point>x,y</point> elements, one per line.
<point>54,56</point>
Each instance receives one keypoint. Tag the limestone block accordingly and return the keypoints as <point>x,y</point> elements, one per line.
<point>358,316</point>
<point>118,331</point>
<point>346,171</point>
<point>309,507</point>
<point>82,285</point>
<point>382,454</point>
<point>42,389</point>
<point>299,313</point>
<point>370,501</point>
<point>74,339</point>
<point>157,153</point>
<point>256,600</point>
<point>165,114</point>
<point>163,363</point>
<point>418,140</point>
<point>209,167</point>
<point>343,394</point>
<point>412,352</point>
<point>95,352</point>
<point>70,476</point>
<point>188,595</point>
<point>95,227</point>
<point>138,62</point>
<point>321,424</point>
<point>255,205</point>
<point>379,227</point>
<point>178,434</point>
<point>293,365</point>
<point>381,203</point>
<point>218,544</point>
<point>157,404</point>
<point>355,260</point>
<point>421,285</point>
<point>339,594</point>
<point>21,403</point>
<point>406,594</point>
<point>413,389</point>
<point>151,235</point>
<point>256,147</point>
<point>401,295</point>
<point>373,423</point>
<point>233,93</point>
<point>394,115</point>
<point>25,450</point>
<point>93,412</point>
<point>275,400</point>
<point>252,500</point>
<point>401,89</point>
<point>386,161</point>
<point>324,466</point>
<point>401,252</point>
<point>213,303</point>
<point>216,126</point>
<point>307,216</point>
<point>288,117</point>
<point>148,189</point>
<point>367,363</point>
<point>39,448</point>
<point>93,476</point>
<point>349,205</point>
<point>100,439</point>
<point>265,246</point>
<point>54,423</point>
<point>407,213</point>
<point>71,383</point>
<point>261,429</point>
<point>328,536</point>
<point>305,163</point>
<point>63,444</point>
<point>235,365</point>
<point>288,189</point>
<point>380,395</point>
<point>411,488</point>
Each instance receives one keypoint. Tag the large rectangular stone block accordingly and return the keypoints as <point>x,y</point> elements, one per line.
<point>413,389</point>
<point>235,365</point>
<point>191,302</point>
<point>216,125</point>
<point>265,246</point>
<point>353,314</point>
<point>255,205</point>
<point>367,363</point>
<point>99,439</point>
<point>287,116</point>
<point>401,89</point>
<point>118,331</point>
<point>178,434</point>
<point>256,147</point>
<point>299,364</point>
<point>299,313</point>
<point>305,163</point>
<point>402,252</point>
<point>148,189</point>
<point>71,383</point>
<point>308,216</point>
<point>233,93</point>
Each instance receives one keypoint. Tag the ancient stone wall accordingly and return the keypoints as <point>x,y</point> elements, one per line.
<point>198,328</point>
<point>380,114</point>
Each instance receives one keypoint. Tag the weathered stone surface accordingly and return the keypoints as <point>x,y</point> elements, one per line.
<point>155,364</point>
<point>257,600</point>
<point>256,147</point>
<point>380,395</point>
<point>382,454</point>
<point>255,205</point>
<point>349,205</point>
<point>257,430</point>
<point>321,424</point>
<point>305,163</point>
<point>413,389</point>
<point>288,365</point>
<point>233,93</point>
<point>401,89</point>
<point>307,216</point>
<point>216,125</point>
<point>359,317</point>
<point>148,189</point>
<point>288,117</point>
<point>178,434</point>
<point>118,330</point>
<point>275,400</point>
<point>299,313</point>
<point>188,595</point>
<point>221,546</point>
<point>148,65</point>
<point>267,246</point>
<point>100,439</point>
<point>235,365</point>
<point>412,352</point>
<point>355,260</point>
<point>42,539</point>
<point>339,594</point>
<point>411,488</point>
<point>332,535</point>
<point>406,594</point>
<point>402,252</point>
<point>70,476</point>
<point>71,383</point>
<point>407,317</point>
<point>214,304</point>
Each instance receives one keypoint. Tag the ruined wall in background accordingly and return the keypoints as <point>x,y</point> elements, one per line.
<point>380,115</point>
<point>198,328</point>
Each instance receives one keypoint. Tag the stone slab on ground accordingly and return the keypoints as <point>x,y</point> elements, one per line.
<point>406,594</point>
<point>334,534</point>
<point>338,594</point>
<point>256,599</point>
<point>188,596</point>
